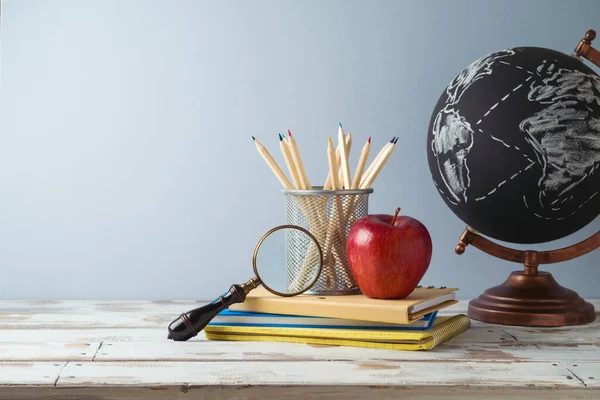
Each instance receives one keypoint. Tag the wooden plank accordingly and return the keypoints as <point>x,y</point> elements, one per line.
<point>478,333</point>
<point>92,319</point>
<point>416,374</point>
<point>66,306</point>
<point>265,351</point>
<point>566,335</point>
<point>461,306</point>
<point>297,392</point>
<point>589,374</point>
<point>85,335</point>
<point>260,351</point>
<point>110,315</point>
<point>90,314</point>
<point>581,353</point>
<point>30,373</point>
<point>30,351</point>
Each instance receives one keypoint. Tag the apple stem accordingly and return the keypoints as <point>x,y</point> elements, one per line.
<point>395,216</point>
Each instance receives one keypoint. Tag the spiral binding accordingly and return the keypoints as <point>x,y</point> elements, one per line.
<point>446,333</point>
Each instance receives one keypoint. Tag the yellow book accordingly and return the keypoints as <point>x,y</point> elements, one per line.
<point>443,329</point>
<point>358,306</point>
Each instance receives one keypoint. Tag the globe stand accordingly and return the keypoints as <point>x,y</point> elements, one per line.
<point>530,297</point>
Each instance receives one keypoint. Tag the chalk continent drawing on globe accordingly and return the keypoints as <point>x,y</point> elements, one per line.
<point>561,135</point>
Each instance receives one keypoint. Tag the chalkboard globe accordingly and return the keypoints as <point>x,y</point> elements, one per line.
<point>514,145</point>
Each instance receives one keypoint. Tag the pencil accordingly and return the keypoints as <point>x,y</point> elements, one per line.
<point>327,185</point>
<point>289,162</point>
<point>334,224</point>
<point>377,158</point>
<point>332,164</point>
<point>344,157</point>
<point>369,179</point>
<point>298,162</point>
<point>262,150</point>
<point>362,162</point>
<point>341,180</point>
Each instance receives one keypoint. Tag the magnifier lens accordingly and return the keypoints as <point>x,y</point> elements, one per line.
<point>288,261</point>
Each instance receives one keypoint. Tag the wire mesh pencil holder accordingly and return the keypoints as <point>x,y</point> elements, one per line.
<point>328,215</point>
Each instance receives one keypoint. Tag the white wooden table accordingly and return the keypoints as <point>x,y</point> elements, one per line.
<point>118,350</point>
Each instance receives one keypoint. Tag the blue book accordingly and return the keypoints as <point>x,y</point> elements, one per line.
<point>246,318</point>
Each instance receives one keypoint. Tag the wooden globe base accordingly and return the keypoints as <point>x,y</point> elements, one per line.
<point>530,297</point>
<point>531,300</point>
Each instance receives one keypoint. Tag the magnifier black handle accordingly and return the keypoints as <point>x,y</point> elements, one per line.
<point>189,324</point>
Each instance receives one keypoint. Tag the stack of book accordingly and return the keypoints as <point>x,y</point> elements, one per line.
<point>412,323</point>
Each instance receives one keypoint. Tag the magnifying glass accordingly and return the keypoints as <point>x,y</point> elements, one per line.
<point>287,261</point>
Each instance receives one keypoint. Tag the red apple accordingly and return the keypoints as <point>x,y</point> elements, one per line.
<point>388,254</point>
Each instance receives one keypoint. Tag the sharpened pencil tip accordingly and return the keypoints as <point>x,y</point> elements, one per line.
<point>396,141</point>
<point>340,124</point>
<point>289,133</point>
<point>280,137</point>
<point>253,138</point>
<point>329,139</point>
<point>392,141</point>
<point>369,140</point>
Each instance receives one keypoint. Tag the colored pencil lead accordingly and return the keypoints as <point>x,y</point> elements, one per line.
<point>369,139</point>
<point>253,138</point>
<point>289,133</point>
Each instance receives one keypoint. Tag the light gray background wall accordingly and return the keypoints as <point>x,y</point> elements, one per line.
<point>126,165</point>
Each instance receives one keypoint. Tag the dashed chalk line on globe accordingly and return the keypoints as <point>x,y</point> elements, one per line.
<point>516,66</point>
<point>501,100</point>
<point>585,202</point>
<point>506,144</point>
<point>504,181</point>
<point>565,199</point>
